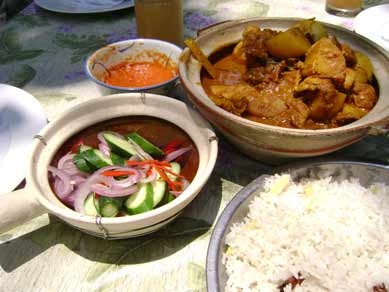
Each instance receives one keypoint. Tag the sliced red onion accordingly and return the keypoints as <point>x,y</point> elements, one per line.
<point>74,171</point>
<point>184,186</point>
<point>66,164</point>
<point>95,183</point>
<point>173,155</point>
<point>84,189</point>
<point>113,191</point>
<point>151,177</point>
<point>111,187</point>
<point>65,187</point>
<point>100,137</point>
<point>129,181</point>
<point>66,160</point>
<point>69,200</point>
<point>135,158</point>
<point>185,183</point>
<point>60,188</point>
<point>77,180</point>
<point>104,148</point>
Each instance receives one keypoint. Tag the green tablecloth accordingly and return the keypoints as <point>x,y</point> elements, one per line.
<point>42,52</point>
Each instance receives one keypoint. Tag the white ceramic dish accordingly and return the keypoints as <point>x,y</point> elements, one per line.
<point>37,197</point>
<point>136,50</point>
<point>273,144</point>
<point>373,23</point>
<point>21,118</point>
<point>84,6</point>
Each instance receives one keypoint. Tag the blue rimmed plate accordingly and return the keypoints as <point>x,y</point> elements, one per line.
<point>84,6</point>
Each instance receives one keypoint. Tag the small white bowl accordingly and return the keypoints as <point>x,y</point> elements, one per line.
<point>135,50</point>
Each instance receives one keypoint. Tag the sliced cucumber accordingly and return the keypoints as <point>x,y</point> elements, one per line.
<point>109,207</point>
<point>159,189</point>
<point>83,165</point>
<point>146,145</point>
<point>141,201</point>
<point>119,145</point>
<point>83,147</point>
<point>89,205</point>
<point>167,198</point>
<point>159,186</point>
<point>117,160</point>
<point>170,197</point>
<point>96,158</point>
<point>175,168</point>
<point>96,202</point>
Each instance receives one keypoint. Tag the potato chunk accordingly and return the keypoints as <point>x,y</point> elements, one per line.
<point>350,113</point>
<point>363,62</point>
<point>288,44</point>
<point>364,95</point>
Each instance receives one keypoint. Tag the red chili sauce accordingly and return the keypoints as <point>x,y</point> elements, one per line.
<point>138,74</point>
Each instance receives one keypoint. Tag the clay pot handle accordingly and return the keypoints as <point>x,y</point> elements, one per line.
<point>380,128</point>
<point>17,208</point>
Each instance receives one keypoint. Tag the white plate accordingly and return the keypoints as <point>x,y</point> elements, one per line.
<point>373,23</point>
<point>21,118</point>
<point>84,6</point>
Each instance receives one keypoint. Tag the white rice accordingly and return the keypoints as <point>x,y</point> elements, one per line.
<point>336,234</point>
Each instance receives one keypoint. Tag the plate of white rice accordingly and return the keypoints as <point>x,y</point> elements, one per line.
<point>318,226</point>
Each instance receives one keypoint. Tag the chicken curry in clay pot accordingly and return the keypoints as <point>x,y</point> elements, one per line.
<point>299,78</point>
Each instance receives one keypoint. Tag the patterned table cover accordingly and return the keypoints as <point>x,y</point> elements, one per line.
<point>43,53</point>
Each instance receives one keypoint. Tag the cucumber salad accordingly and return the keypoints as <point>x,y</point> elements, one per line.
<point>124,175</point>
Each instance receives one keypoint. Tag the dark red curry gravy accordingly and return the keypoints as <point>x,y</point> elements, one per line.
<point>157,131</point>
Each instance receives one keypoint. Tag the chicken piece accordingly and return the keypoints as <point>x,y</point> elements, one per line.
<point>349,55</point>
<point>364,95</point>
<point>326,60</point>
<point>283,88</point>
<point>266,106</point>
<point>299,112</point>
<point>320,93</point>
<point>254,41</point>
<point>294,64</point>
<point>229,77</point>
<point>275,100</point>
<point>268,73</point>
<point>294,115</point>
<point>233,98</point>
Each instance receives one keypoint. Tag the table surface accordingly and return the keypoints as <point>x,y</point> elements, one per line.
<point>43,52</point>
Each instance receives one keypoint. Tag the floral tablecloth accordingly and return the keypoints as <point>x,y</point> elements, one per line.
<point>43,52</point>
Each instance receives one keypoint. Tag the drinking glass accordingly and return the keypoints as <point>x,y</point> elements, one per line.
<point>348,8</point>
<point>160,19</point>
